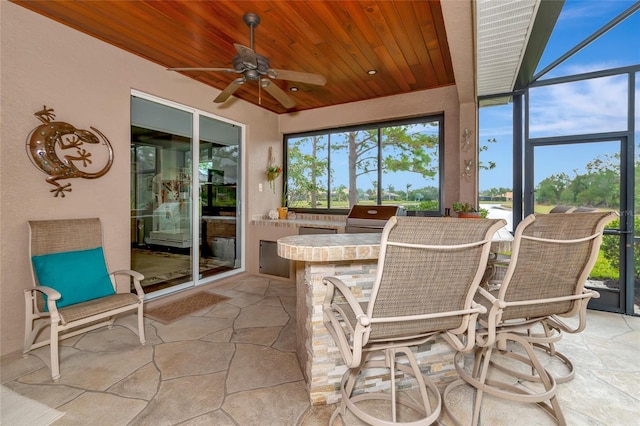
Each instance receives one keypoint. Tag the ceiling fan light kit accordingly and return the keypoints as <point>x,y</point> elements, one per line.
<point>255,67</point>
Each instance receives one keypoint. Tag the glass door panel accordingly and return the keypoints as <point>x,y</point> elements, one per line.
<point>161,208</point>
<point>582,177</point>
<point>219,171</point>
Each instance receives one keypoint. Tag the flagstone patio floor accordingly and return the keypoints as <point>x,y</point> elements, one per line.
<point>235,364</point>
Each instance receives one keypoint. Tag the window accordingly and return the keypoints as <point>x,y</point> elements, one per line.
<point>398,163</point>
<point>495,160</point>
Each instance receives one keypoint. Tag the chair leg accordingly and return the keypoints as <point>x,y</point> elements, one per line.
<point>428,414</point>
<point>481,362</point>
<point>481,370</point>
<point>542,342</point>
<point>390,357</point>
<point>479,379</point>
<point>547,344</point>
<point>141,324</point>
<point>53,344</point>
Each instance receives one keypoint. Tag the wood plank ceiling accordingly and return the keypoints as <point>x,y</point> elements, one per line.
<point>404,41</point>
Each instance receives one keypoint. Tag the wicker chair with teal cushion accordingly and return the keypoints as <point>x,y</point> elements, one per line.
<point>428,272</point>
<point>552,257</point>
<point>73,290</point>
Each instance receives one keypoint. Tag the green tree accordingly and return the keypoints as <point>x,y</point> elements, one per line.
<point>306,170</point>
<point>406,151</point>
<point>550,189</point>
<point>495,192</point>
<point>340,192</point>
<point>490,164</point>
<point>603,187</point>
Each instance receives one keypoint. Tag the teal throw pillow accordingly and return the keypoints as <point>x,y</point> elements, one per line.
<point>78,275</point>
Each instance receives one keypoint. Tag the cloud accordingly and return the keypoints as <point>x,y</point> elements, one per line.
<point>596,105</point>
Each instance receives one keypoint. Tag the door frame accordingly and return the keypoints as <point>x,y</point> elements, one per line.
<point>195,195</point>
<point>611,301</point>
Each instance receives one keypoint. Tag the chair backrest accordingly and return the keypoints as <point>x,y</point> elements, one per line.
<point>427,265</point>
<point>562,209</point>
<point>62,235</point>
<point>55,236</point>
<point>552,257</point>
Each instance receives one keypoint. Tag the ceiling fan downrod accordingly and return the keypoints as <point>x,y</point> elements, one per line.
<point>252,20</point>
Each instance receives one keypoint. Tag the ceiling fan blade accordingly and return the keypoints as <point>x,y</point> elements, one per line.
<point>247,55</point>
<point>301,77</point>
<point>202,69</point>
<point>277,93</point>
<point>228,91</point>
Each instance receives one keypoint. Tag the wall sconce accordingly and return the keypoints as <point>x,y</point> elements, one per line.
<point>466,140</point>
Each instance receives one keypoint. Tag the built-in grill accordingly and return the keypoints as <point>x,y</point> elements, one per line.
<point>364,218</point>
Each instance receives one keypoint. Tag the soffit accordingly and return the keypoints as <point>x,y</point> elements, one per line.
<point>503,31</point>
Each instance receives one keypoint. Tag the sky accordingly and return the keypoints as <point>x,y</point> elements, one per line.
<point>573,108</point>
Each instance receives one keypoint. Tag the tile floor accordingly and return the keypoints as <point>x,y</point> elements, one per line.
<point>234,364</point>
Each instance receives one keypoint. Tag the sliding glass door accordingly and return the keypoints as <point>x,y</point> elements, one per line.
<point>174,204</point>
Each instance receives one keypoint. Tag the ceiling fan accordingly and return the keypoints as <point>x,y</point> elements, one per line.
<point>254,66</point>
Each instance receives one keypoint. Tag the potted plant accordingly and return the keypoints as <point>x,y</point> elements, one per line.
<point>272,174</point>
<point>466,210</point>
<point>283,209</point>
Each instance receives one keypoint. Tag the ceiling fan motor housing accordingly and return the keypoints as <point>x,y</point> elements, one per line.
<point>251,74</point>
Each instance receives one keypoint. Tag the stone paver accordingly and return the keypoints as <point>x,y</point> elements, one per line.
<point>101,409</point>
<point>235,364</point>
<point>183,399</point>
<point>256,367</point>
<point>283,405</point>
<point>179,359</point>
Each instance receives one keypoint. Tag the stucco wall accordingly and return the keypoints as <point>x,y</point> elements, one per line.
<point>88,83</point>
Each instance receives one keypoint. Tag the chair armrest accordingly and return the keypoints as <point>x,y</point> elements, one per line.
<point>348,339</point>
<point>556,322</point>
<point>489,322</point>
<point>51,293</point>
<point>135,274</point>
<point>137,277</point>
<point>52,296</point>
<point>348,295</point>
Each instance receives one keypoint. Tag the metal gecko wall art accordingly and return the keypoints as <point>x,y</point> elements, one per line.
<point>47,143</point>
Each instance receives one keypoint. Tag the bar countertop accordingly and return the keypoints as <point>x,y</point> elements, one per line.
<point>339,247</point>
<point>330,247</point>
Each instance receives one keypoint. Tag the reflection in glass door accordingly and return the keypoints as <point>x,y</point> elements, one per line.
<point>219,171</point>
<point>587,177</point>
<point>161,194</point>
<point>167,217</point>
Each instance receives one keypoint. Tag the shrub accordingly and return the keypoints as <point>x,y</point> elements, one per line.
<point>611,247</point>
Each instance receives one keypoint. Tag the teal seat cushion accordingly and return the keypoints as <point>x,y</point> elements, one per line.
<point>78,275</point>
